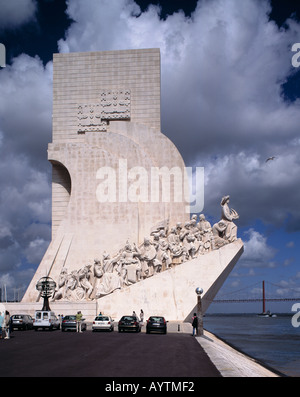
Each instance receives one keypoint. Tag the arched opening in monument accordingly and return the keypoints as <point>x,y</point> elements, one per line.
<point>61,193</point>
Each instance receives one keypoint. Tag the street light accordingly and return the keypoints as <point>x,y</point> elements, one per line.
<point>46,287</point>
<point>199,292</point>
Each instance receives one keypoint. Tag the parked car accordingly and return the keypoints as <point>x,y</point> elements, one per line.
<point>69,323</point>
<point>103,323</point>
<point>45,320</point>
<point>156,324</point>
<point>129,323</point>
<point>21,321</point>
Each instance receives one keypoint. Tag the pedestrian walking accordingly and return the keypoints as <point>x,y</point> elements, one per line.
<point>7,325</point>
<point>195,324</point>
<point>78,321</point>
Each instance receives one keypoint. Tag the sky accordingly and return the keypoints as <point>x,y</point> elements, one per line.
<point>230,99</point>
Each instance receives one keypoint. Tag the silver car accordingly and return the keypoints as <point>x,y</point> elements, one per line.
<point>21,321</point>
<point>69,324</point>
<point>103,323</point>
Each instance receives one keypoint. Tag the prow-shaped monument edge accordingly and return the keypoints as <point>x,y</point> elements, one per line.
<point>172,293</point>
<point>227,260</point>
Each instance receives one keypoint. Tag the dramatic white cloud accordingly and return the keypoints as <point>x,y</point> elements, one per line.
<point>257,252</point>
<point>14,13</point>
<point>25,107</point>
<point>36,250</point>
<point>25,194</point>
<point>258,188</point>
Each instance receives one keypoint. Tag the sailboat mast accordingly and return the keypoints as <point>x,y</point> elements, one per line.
<point>264,297</point>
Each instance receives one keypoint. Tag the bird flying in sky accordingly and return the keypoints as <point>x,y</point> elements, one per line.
<point>270,158</point>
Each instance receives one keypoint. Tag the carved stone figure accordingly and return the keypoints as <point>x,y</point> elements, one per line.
<point>62,281</point>
<point>188,240</point>
<point>108,284</point>
<point>194,231</point>
<point>147,256</point>
<point>71,284</point>
<point>129,266</point>
<point>98,271</point>
<point>162,250</point>
<point>84,276</point>
<point>206,233</point>
<point>109,278</point>
<point>228,215</point>
<point>175,246</point>
<point>219,235</point>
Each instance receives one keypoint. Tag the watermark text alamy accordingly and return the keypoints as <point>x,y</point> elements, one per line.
<point>296,57</point>
<point>296,316</point>
<point>156,184</point>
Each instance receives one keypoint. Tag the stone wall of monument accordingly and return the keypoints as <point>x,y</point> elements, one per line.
<point>61,191</point>
<point>79,79</point>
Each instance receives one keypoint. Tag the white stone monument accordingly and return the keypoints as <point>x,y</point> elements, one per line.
<point>122,236</point>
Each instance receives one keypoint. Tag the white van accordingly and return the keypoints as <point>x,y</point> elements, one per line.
<point>45,319</point>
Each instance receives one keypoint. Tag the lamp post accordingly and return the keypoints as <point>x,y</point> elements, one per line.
<point>46,287</point>
<point>199,291</point>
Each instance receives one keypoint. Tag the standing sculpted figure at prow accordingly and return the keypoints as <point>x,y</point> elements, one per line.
<point>228,215</point>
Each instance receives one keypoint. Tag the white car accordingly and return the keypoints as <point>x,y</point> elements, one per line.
<point>103,323</point>
<point>45,319</point>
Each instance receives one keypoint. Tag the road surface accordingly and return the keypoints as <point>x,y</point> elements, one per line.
<point>103,354</point>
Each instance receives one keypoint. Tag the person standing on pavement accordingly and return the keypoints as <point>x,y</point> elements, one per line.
<point>135,315</point>
<point>195,324</point>
<point>1,323</point>
<point>142,316</point>
<point>78,321</point>
<point>7,325</point>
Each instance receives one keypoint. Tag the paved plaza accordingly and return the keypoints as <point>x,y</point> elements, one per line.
<point>103,354</point>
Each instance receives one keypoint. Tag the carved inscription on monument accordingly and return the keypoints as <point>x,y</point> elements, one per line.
<point>113,105</point>
<point>89,118</point>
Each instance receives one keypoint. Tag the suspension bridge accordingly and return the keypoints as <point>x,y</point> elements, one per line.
<point>260,292</point>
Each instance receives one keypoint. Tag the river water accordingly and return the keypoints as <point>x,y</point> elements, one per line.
<point>271,340</point>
